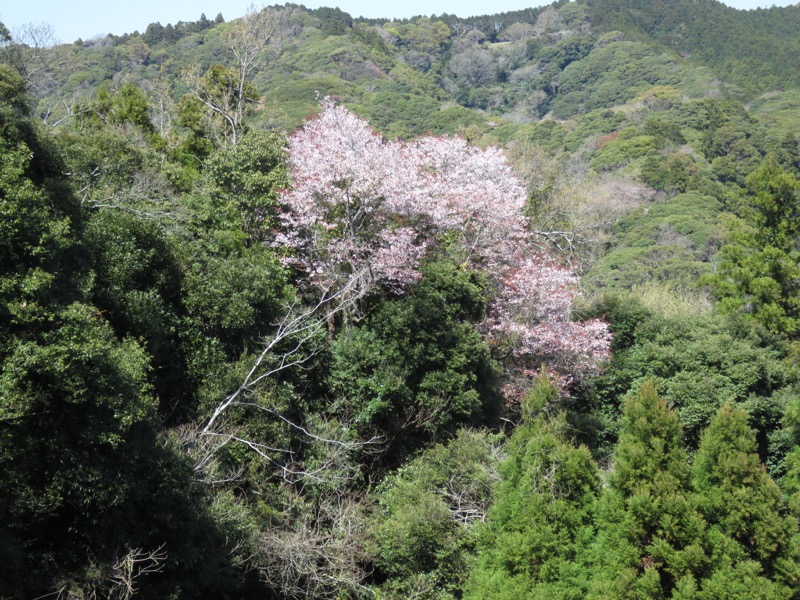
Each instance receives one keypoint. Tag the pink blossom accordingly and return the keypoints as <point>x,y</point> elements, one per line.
<point>363,212</point>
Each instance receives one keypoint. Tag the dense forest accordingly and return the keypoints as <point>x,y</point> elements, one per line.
<point>298,305</point>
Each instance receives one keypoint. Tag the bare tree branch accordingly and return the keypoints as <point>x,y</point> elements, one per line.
<point>247,40</point>
<point>133,565</point>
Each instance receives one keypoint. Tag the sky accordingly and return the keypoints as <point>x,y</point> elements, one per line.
<point>86,19</point>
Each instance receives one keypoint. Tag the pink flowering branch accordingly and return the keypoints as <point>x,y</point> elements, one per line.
<point>363,213</point>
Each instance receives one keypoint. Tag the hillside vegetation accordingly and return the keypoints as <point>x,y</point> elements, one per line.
<point>298,305</point>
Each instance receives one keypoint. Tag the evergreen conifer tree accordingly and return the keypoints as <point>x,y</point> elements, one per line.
<point>541,519</point>
<point>748,538</point>
<point>649,527</point>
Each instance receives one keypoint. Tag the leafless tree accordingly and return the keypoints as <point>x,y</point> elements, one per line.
<point>548,21</point>
<point>573,214</point>
<point>56,112</point>
<point>163,107</point>
<point>116,581</point>
<point>130,567</point>
<point>247,41</point>
<point>468,497</point>
<point>319,553</point>
<point>31,41</point>
<point>298,337</point>
<point>473,67</point>
<point>517,32</point>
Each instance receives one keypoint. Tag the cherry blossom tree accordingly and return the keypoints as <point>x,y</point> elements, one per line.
<point>348,216</point>
<point>473,195</point>
<point>531,320</point>
<point>363,207</point>
<point>363,212</point>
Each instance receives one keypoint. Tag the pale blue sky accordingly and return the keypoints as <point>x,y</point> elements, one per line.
<point>89,18</point>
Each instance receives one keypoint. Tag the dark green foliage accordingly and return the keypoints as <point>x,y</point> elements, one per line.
<point>115,315</point>
<point>196,144</point>
<point>665,132</point>
<point>747,45</point>
<point>12,89</point>
<point>234,298</point>
<point>137,283</point>
<point>73,395</point>
<point>673,173</point>
<point>561,55</point>
<point>333,21</point>
<point>683,353</point>
<point>727,135</point>
<point>418,367</point>
<point>157,34</point>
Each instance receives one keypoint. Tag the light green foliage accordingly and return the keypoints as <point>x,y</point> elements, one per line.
<point>779,110</point>
<point>559,138</point>
<point>295,100</point>
<point>547,134</point>
<point>748,536</point>
<point>650,530</point>
<point>125,106</point>
<point>540,519</point>
<point>649,447</point>
<point>630,144</point>
<point>759,269</point>
<point>612,74</point>
<point>683,354</point>
<point>454,120</point>
<point>667,242</point>
<point>658,528</point>
<point>427,511</point>
<point>728,472</point>
<point>399,114</point>
<point>245,180</point>
<point>425,35</point>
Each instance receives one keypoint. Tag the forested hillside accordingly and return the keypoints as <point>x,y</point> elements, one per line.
<point>298,305</point>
